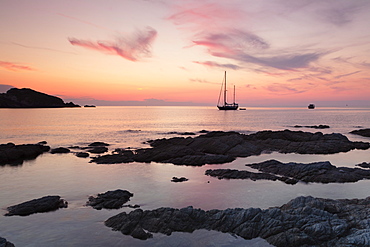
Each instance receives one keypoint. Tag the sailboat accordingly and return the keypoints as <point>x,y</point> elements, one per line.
<point>226,106</point>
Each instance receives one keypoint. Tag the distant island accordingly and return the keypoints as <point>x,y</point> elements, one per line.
<point>28,98</point>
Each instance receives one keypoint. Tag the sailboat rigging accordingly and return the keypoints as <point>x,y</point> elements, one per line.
<point>226,106</point>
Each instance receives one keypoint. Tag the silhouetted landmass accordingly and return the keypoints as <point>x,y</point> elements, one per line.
<point>321,126</point>
<point>28,98</point>
<point>16,154</point>
<point>361,132</point>
<point>304,221</point>
<point>40,205</point>
<point>219,147</point>
<point>291,173</point>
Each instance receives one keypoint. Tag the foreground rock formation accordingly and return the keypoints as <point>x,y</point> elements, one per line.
<point>221,147</point>
<point>16,154</point>
<point>41,205</point>
<point>5,243</point>
<point>291,173</point>
<point>304,221</point>
<point>110,199</point>
<point>28,98</point>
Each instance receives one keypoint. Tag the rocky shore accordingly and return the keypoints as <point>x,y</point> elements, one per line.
<point>15,154</point>
<point>221,147</point>
<point>304,221</point>
<point>291,173</point>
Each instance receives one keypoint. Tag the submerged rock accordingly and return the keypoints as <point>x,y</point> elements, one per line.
<point>41,205</point>
<point>220,147</point>
<point>16,154</point>
<point>304,221</point>
<point>110,199</point>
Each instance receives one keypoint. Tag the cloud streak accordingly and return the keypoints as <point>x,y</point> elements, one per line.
<point>132,48</point>
<point>15,66</point>
<point>215,64</point>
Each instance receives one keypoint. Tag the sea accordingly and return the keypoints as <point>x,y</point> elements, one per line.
<point>75,179</point>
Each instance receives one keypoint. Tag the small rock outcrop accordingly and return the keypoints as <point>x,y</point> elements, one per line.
<point>5,243</point>
<point>16,154</point>
<point>221,147</point>
<point>41,205</point>
<point>28,98</point>
<point>110,199</point>
<point>304,221</point>
<point>361,132</point>
<point>178,180</point>
<point>60,150</point>
<point>321,126</point>
<point>364,165</point>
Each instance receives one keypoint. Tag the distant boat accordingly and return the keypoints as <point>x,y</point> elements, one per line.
<point>311,106</point>
<point>241,109</point>
<point>89,106</point>
<point>225,105</point>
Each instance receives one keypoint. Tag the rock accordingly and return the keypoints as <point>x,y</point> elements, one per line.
<point>16,154</point>
<point>219,147</point>
<point>361,132</point>
<point>122,157</point>
<point>304,221</point>
<point>364,165</point>
<point>41,205</point>
<point>98,144</point>
<point>82,154</point>
<point>60,150</point>
<point>89,106</point>
<point>110,199</point>
<point>317,172</point>
<point>5,243</point>
<point>177,180</point>
<point>28,98</point>
<point>321,126</point>
<point>97,150</point>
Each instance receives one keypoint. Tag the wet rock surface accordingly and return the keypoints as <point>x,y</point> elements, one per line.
<point>304,221</point>
<point>16,154</point>
<point>110,199</point>
<point>221,147</point>
<point>40,205</point>
<point>5,243</point>
<point>361,132</point>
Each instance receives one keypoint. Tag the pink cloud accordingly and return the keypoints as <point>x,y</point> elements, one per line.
<point>14,66</point>
<point>132,48</point>
<point>215,64</point>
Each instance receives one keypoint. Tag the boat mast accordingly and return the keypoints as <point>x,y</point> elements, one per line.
<point>234,95</point>
<point>225,90</point>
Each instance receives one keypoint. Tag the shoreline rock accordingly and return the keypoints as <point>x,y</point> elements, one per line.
<point>219,147</point>
<point>110,199</point>
<point>5,243</point>
<point>304,221</point>
<point>361,132</point>
<point>15,154</point>
<point>321,126</point>
<point>40,205</point>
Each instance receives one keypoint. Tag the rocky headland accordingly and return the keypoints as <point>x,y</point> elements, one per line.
<point>304,221</point>
<point>15,154</point>
<point>221,147</point>
<point>292,173</point>
<point>40,205</point>
<point>28,98</point>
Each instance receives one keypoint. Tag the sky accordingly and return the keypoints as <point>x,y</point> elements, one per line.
<point>117,52</point>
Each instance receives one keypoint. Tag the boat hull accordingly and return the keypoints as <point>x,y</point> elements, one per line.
<point>228,107</point>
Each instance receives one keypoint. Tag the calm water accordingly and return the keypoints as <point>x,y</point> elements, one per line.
<point>75,178</point>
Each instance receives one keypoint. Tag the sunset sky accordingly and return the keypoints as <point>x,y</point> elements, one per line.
<point>276,52</point>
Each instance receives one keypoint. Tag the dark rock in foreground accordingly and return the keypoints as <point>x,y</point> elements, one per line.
<point>237,174</point>
<point>361,132</point>
<point>5,243</point>
<point>317,172</point>
<point>41,205</point>
<point>60,150</point>
<point>110,199</point>
<point>16,154</point>
<point>28,98</point>
<point>321,126</point>
<point>177,180</point>
<point>82,154</point>
<point>304,221</point>
<point>364,165</point>
<point>221,147</point>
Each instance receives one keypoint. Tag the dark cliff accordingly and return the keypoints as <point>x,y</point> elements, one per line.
<point>28,98</point>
